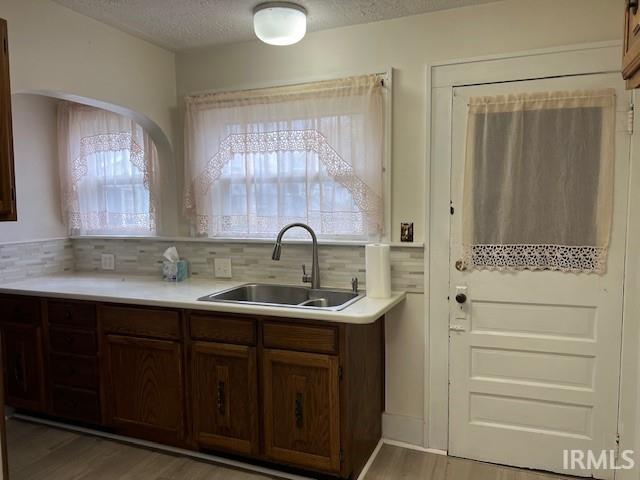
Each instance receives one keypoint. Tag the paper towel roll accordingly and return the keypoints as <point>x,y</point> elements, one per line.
<point>378,270</point>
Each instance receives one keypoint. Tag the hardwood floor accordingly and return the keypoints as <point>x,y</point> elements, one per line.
<point>38,452</point>
<point>400,463</point>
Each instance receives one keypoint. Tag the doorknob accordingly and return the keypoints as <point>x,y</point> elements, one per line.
<point>461,298</point>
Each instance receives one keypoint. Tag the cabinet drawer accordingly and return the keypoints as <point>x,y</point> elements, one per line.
<point>72,341</point>
<point>72,371</point>
<point>223,329</point>
<point>19,310</point>
<point>72,314</point>
<point>306,338</point>
<point>76,404</point>
<point>143,322</point>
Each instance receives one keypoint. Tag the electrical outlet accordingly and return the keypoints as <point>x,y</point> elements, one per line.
<point>222,267</point>
<point>108,261</point>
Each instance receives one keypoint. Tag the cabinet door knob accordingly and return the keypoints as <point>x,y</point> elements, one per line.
<point>221,400</point>
<point>299,410</point>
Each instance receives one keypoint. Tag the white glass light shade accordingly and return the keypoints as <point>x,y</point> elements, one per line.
<point>280,23</point>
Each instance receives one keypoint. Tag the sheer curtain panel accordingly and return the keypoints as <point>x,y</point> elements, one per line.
<point>109,173</point>
<point>538,187</point>
<point>259,159</point>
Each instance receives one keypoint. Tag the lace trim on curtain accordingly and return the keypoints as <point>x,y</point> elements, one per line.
<point>284,141</point>
<point>265,226</point>
<point>518,257</point>
<point>143,222</point>
<point>110,142</point>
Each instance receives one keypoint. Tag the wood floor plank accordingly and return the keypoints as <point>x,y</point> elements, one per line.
<point>396,463</point>
<point>38,452</point>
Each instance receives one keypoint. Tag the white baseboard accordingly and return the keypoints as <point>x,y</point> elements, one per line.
<point>403,429</point>
<point>367,465</point>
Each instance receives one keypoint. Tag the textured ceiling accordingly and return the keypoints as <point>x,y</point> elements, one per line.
<point>182,24</point>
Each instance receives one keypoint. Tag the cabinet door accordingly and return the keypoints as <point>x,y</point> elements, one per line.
<point>145,387</point>
<point>225,396</point>
<point>631,60</point>
<point>7,176</point>
<point>22,352</point>
<point>301,409</point>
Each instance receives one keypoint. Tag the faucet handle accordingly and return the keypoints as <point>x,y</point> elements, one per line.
<point>354,284</point>
<point>306,278</point>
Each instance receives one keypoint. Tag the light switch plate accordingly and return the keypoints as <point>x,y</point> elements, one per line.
<point>108,261</point>
<point>222,267</point>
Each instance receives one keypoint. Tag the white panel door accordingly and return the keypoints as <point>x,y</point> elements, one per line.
<point>535,356</point>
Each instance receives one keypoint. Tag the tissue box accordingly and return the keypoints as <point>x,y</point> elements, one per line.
<point>175,271</point>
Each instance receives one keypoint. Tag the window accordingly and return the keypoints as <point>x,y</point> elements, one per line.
<point>258,160</point>
<point>108,167</point>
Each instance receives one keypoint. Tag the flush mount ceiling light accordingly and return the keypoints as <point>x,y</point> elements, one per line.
<point>280,23</point>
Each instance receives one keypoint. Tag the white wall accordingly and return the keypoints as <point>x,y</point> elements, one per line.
<point>35,145</point>
<point>52,48</point>
<point>408,45</point>
<point>55,50</point>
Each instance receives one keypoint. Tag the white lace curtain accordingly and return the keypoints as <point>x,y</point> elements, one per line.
<point>538,186</point>
<point>109,173</point>
<point>259,159</point>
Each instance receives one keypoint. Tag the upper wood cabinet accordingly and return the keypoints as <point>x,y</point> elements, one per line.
<point>7,175</point>
<point>631,59</point>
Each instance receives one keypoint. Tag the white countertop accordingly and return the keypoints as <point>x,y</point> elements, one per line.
<point>150,291</point>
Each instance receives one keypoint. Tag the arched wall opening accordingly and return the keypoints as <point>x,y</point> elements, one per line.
<point>37,178</point>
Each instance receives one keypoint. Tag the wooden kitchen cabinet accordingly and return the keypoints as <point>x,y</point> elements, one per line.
<point>144,387</point>
<point>73,373</point>
<point>7,173</point>
<point>631,58</point>
<point>299,393</point>
<point>21,326</point>
<point>225,396</point>
<point>22,357</point>
<point>302,409</point>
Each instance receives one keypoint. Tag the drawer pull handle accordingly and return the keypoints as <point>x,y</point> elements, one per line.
<point>221,399</point>
<point>18,370</point>
<point>70,340</point>
<point>68,314</point>
<point>299,410</point>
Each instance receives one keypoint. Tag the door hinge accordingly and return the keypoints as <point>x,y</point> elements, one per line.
<point>631,117</point>
<point>451,209</point>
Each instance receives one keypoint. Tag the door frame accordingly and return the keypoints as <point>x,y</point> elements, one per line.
<point>441,79</point>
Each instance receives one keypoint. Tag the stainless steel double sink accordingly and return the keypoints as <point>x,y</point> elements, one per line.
<point>286,296</point>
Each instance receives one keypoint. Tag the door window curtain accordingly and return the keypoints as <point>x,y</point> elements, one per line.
<point>256,160</point>
<point>538,182</point>
<point>109,173</point>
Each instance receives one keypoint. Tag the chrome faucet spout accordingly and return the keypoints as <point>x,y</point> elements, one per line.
<point>315,268</point>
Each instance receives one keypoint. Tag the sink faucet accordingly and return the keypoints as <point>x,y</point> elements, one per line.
<point>315,269</point>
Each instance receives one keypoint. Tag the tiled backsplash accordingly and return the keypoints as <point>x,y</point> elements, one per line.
<point>252,261</point>
<point>32,259</point>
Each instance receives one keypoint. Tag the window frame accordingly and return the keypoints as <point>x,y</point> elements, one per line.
<point>386,74</point>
